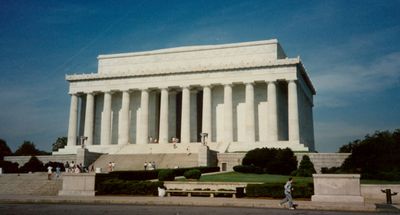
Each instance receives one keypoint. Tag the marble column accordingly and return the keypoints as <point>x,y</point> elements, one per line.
<point>163,133</point>
<point>250,117</point>
<point>106,120</point>
<point>89,118</point>
<point>293,111</point>
<point>172,115</point>
<point>124,119</point>
<point>185,118</point>
<point>272,112</point>
<point>73,121</point>
<point>228,114</point>
<point>207,112</point>
<point>144,117</point>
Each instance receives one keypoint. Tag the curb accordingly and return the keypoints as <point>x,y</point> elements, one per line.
<point>184,201</point>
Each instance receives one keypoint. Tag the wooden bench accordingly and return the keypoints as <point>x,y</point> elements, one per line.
<point>210,192</point>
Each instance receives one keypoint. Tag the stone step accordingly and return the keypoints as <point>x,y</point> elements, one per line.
<point>136,161</point>
<point>29,184</point>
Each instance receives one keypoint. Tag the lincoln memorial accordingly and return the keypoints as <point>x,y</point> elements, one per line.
<point>241,95</point>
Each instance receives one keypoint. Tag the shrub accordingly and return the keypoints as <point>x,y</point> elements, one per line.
<point>272,161</point>
<point>203,169</point>
<point>306,168</point>
<point>117,186</point>
<point>192,174</point>
<point>248,169</point>
<point>33,165</point>
<point>166,175</point>
<point>9,167</point>
<point>276,190</point>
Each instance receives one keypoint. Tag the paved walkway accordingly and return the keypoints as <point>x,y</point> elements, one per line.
<point>187,201</point>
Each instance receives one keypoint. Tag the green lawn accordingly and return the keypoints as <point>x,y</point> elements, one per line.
<point>371,181</point>
<point>242,177</point>
<point>267,178</point>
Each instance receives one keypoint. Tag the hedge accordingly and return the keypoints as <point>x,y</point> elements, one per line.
<point>117,186</point>
<point>275,190</point>
<point>142,175</point>
<point>9,167</point>
<point>192,174</point>
<point>166,175</point>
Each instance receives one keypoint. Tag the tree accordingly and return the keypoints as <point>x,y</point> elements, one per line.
<point>29,148</point>
<point>348,148</point>
<point>271,160</point>
<point>33,165</point>
<point>306,168</point>
<point>61,142</point>
<point>377,156</point>
<point>4,149</point>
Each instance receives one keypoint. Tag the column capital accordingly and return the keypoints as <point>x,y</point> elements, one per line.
<point>271,82</point>
<point>127,90</point>
<point>249,82</point>
<point>206,85</point>
<point>93,93</point>
<point>108,92</point>
<point>185,87</point>
<point>228,85</point>
<point>291,80</point>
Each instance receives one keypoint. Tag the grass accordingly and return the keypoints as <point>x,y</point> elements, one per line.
<point>267,178</point>
<point>372,181</point>
<point>242,177</point>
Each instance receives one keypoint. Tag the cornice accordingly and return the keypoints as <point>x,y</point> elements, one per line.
<point>198,69</point>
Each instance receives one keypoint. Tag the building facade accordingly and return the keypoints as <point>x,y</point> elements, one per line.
<point>243,95</point>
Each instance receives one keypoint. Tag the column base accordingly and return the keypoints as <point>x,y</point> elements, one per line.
<point>244,146</point>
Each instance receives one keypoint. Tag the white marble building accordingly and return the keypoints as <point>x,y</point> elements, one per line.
<point>244,95</point>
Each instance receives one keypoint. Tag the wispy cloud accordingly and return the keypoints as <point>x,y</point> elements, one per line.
<point>362,65</point>
<point>382,73</point>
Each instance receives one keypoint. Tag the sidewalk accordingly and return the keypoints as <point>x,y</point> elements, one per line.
<point>187,201</point>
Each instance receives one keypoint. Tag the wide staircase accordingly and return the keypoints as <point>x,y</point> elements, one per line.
<point>29,184</point>
<point>136,161</point>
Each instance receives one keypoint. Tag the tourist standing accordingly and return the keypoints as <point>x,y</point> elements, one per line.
<point>145,165</point>
<point>58,171</point>
<point>49,172</point>
<point>66,166</point>
<point>112,166</point>
<point>109,166</point>
<point>72,166</point>
<point>288,194</point>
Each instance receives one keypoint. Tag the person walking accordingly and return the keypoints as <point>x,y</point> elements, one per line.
<point>288,194</point>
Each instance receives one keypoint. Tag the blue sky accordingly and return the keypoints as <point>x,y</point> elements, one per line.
<point>351,50</point>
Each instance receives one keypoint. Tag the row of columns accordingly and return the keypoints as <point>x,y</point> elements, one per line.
<point>143,130</point>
